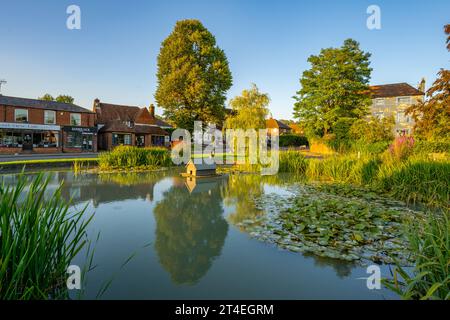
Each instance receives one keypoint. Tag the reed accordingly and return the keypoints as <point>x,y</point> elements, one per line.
<point>292,161</point>
<point>128,157</point>
<point>415,180</point>
<point>429,242</point>
<point>39,238</point>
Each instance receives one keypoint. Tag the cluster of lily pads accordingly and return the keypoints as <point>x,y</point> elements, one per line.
<point>334,221</point>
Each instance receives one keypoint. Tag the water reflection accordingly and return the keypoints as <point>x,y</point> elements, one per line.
<point>190,228</point>
<point>187,222</point>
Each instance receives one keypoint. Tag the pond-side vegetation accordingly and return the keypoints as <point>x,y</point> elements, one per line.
<point>39,237</point>
<point>321,221</point>
<point>127,157</point>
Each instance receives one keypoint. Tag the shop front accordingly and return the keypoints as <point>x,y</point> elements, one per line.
<point>27,138</point>
<point>79,139</point>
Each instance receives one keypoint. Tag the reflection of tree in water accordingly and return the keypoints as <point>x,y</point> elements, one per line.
<point>342,268</point>
<point>240,193</point>
<point>190,232</point>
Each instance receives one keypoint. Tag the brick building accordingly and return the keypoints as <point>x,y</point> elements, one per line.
<point>38,126</point>
<point>129,125</point>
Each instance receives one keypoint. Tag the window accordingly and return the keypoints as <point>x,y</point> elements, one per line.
<point>75,119</point>
<point>11,139</point>
<point>47,139</point>
<point>74,140</point>
<point>21,115</point>
<point>379,102</point>
<point>404,100</point>
<point>379,114</point>
<point>401,117</point>
<point>49,117</point>
<point>157,140</point>
<point>121,139</point>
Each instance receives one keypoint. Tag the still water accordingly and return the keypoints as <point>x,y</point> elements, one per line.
<point>161,236</point>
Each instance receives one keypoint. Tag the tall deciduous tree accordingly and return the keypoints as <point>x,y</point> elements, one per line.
<point>47,97</point>
<point>335,87</point>
<point>61,98</point>
<point>193,76</point>
<point>64,98</point>
<point>432,116</point>
<point>249,110</point>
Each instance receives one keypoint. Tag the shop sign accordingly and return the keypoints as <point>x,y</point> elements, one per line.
<point>29,126</point>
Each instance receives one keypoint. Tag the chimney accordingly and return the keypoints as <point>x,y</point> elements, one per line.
<point>96,108</point>
<point>422,85</point>
<point>152,110</point>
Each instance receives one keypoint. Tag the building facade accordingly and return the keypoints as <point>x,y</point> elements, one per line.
<point>392,100</point>
<point>129,125</point>
<point>277,127</point>
<point>38,126</point>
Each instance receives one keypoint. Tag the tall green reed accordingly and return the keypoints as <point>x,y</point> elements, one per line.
<point>129,157</point>
<point>39,237</point>
<point>429,242</point>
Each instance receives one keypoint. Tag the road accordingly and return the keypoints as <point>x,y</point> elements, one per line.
<point>20,157</point>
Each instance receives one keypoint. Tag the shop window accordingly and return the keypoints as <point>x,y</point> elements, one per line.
<point>75,119</point>
<point>49,117</point>
<point>10,139</point>
<point>21,115</point>
<point>121,139</point>
<point>48,139</point>
<point>74,140</point>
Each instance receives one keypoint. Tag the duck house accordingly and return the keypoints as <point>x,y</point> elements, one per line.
<point>200,169</point>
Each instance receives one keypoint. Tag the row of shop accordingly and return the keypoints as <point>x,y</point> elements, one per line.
<point>23,138</point>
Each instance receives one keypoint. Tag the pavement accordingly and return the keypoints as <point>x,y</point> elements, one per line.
<point>21,157</point>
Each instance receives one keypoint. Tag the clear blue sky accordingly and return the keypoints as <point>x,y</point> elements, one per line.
<point>113,56</point>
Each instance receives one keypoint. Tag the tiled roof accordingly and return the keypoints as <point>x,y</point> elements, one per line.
<point>273,123</point>
<point>41,104</point>
<point>394,90</point>
<point>151,130</point>
<point>120,126</point>
<point>107,112</point>
<point>111,112</point>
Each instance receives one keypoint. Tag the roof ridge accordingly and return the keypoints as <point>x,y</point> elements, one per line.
<point>47,101</point>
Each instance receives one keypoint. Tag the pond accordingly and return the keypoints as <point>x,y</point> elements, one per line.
<point>161,236</point>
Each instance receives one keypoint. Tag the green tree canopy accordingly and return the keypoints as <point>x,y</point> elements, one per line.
<point>193,76</point>
<point>47,97</point>
<point>61,98</point>
<point>64,98</point>
<point>249,110</point>
<point>335,86</point>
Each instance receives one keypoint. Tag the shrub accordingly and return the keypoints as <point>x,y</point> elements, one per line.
<point>372,130</point>
<point>127,157</point>
<point>341,138</point>
<point>371,148</point>
<point>39,238</point>
<point>293,140</point>
<point>432,146</point>
<point>402,147</point>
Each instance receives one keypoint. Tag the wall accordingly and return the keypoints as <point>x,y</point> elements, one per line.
<point>36,116</point>
<point>389,107</point>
